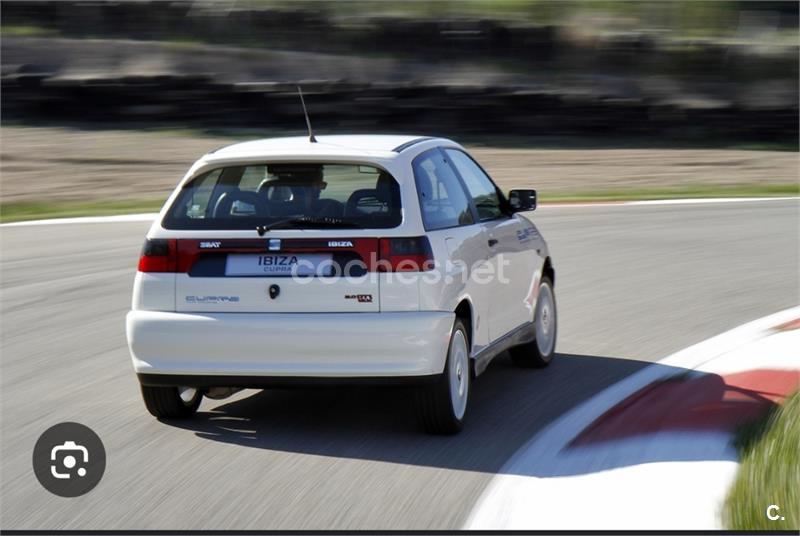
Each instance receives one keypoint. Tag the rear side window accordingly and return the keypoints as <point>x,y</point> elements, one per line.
<point>481,188</point>
<point>290,195</point>
<point>442,199</point>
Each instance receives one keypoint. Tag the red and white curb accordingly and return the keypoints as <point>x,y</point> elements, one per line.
<point>654,450</point>
<point>125,218</point>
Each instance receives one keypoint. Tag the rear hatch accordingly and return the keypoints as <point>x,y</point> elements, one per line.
<point>319,269</point>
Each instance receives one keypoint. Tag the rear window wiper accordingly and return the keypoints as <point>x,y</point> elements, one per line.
<point>291,222</point>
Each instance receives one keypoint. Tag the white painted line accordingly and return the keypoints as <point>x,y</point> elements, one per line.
<point>123,218</point>
<point>610,500</point>
<point>707,200</point>
<point>687,201</point>
<point>665,480</point>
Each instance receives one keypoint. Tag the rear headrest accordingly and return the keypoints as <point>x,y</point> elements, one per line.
<point>280,190</point>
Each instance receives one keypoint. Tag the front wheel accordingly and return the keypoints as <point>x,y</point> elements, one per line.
<point>441,406</point>
<point>539,352</point>
<point>171,402</point>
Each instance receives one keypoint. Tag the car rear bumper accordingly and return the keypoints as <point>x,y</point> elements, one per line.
<point>248,347</point>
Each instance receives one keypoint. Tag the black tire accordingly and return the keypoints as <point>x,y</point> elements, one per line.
<point>434,403</point>
<point>166,402</point>
<point>530,355</point>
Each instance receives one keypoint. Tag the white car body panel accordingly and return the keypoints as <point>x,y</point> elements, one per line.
<point>251,294</point>
<point>153,292</point>
<point>509,307</point>
<point>400,293</point>
<point>305,344</point>
<point>466,248</point>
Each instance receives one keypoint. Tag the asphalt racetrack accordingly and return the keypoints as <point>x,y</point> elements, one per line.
<point>634,284</point>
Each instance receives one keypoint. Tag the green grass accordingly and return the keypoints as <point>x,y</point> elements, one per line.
<point>769,472</point>
<point>21,211</point>
<point>26,30</point>
<point>66,209</point>
<point>678,192</point>
<point>680,18</point>
<point>505,141</point>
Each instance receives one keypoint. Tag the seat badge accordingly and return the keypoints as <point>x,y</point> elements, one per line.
<point>274,244</point>
<point>274,291</point>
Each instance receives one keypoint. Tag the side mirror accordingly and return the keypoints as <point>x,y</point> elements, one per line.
<point>522,200</point>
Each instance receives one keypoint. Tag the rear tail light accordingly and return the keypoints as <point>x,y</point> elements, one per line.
<point>411,254</point>
<point>405,254</point>
<point>159,255</point>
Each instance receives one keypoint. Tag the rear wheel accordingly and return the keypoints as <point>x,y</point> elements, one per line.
<point>441,406</point>
<point>539,352</point>
<point>171,402</point>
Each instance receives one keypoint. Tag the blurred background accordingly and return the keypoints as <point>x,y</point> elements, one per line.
<point>115,99</point>
<point>105,105</point>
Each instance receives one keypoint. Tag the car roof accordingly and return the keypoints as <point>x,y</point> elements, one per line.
<point>376,145</point>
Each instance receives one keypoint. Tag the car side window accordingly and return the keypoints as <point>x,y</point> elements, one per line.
<point>480,186</point>
<point>442,199</point>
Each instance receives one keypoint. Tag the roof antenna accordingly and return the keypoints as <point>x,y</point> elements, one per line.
<point>311,137</point>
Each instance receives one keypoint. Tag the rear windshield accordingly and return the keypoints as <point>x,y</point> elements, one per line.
<point>309,196</point>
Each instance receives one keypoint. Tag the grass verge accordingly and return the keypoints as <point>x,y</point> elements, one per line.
<point>22,211</point>
<point>677,192</point>
<point>67,209</point>
<point>27,30</point>
<point>769,472</point>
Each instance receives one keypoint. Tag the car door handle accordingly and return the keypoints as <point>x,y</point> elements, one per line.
<point>492,242</point>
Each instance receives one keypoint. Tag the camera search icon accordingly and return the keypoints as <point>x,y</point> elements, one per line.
<point>69,459</point>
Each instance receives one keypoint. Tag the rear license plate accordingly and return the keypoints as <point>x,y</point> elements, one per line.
<point>284,264</point>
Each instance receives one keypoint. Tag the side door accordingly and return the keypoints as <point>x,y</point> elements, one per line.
<point>452,228</point>
<point>512,254</point>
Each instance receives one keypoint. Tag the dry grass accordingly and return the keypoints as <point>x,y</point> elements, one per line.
<point>56,165</point>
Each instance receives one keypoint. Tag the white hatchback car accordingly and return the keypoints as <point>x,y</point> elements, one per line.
<point>389,259</point>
